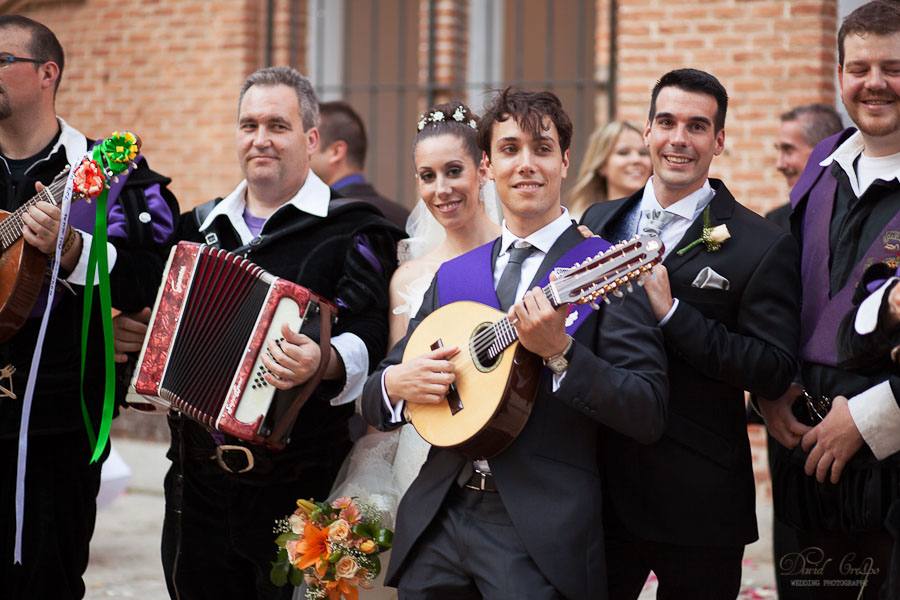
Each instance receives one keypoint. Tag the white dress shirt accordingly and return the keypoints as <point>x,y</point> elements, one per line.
<point>886,168</point>
<point>684,212</point>
<point>874,411</point>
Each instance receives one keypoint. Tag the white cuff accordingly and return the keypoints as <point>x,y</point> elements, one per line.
<point>557,380</point>
<point>355,356</point>
<point>396,411</point>
<point>867,314</point>
<point>78,276</point>
<point>877,416</point>
<point>669,314</point>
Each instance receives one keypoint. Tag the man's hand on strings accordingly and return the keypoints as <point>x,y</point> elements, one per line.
<point>541,328</point>
<point>41,226</point>
<point>424,379</point>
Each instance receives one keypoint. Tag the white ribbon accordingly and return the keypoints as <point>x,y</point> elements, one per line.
<point>32,372</point>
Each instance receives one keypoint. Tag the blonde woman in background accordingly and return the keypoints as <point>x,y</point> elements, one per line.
<point>616,164</point>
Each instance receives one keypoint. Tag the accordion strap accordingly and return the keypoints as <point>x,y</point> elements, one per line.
<point>286,423</point>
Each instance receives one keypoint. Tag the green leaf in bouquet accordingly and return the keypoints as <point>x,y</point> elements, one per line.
<point>285,537</point>
<point>385,538</point>
<point>279,573</point>
<point>295,576</point>
<point>375,565</point>
<point>365,530</point>
<point>335,556</point>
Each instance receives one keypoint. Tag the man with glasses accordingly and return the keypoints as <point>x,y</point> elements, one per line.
<point>61,484</point>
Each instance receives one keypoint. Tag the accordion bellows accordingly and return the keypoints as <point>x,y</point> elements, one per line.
<point>214,314</point>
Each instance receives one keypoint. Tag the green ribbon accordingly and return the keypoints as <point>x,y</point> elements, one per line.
<point>108,155</point>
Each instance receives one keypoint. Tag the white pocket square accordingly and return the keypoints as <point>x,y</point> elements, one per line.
<point>707,279</point>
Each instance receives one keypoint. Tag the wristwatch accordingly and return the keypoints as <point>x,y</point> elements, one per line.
<point>558,363</point>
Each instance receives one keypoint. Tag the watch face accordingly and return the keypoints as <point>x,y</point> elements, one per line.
<point>558,365</point>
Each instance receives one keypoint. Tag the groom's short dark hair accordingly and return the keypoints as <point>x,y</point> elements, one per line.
<point>528,108</point>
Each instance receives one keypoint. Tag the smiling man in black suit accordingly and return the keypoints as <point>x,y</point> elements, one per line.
<point>728,308</point>
<point>527,523</point>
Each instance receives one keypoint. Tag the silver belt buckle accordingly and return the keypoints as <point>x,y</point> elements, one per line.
<point>481,479</point>
<point>245,450</point>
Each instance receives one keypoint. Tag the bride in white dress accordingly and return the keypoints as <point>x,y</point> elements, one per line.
<point>458,212</point>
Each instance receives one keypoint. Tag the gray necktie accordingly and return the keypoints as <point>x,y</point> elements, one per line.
<point>654,221</point>
<point>509,280</point>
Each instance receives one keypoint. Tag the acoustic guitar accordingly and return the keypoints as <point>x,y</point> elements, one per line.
<point>496,377</point>
<point>22,266</point>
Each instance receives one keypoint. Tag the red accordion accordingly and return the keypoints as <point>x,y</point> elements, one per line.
<point>202,355</point>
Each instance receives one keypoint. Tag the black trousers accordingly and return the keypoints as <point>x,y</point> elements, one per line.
<point>682,571</point>
<point>60,511</point>
<point>471,551</point>
<point>221,545</point>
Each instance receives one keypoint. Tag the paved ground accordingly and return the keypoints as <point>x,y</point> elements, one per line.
<point>125,549</point>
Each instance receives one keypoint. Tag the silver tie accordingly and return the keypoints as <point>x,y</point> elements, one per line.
<point>654,220</point>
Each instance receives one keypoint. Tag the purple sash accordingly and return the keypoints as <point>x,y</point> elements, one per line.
<point>820,316</point>
<point>471,277</point>
<point>82,215</point>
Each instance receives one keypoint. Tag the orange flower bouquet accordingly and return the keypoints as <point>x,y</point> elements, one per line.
<point>333,547</point>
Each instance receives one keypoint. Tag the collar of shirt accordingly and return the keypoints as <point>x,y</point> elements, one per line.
<point>70,139</point>
<point>688,207</point>
<point>349,179</point>
<point>846,154</point>
<point>685,210</point>
<point>312,198</point>
<point>542,239</point>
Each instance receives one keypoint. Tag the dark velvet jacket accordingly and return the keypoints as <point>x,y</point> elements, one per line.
<point>133,283</point>
<point>347,257</point>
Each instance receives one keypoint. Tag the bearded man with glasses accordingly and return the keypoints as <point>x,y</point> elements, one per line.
<point>61,485</point>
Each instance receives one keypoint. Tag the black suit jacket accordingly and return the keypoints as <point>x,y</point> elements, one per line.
<point>549,476</point>
<point>695,486</point>
<point>392,211</point>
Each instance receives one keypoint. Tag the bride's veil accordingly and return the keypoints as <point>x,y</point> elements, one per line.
<point>426,234</point>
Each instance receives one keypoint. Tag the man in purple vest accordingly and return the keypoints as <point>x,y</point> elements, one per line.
<point>61,483</point>
<point>527,522</point>
<point>847,217</point>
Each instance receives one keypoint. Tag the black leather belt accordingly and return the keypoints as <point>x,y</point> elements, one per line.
<point>483,482</point>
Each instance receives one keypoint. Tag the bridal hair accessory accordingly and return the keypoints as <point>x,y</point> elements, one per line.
<point>438,116</point>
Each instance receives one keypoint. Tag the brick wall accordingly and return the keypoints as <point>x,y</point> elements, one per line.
<point>770,55</point>
<point>169,71</point>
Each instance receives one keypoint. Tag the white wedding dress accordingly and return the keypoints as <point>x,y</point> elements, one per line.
<point>383,465</point>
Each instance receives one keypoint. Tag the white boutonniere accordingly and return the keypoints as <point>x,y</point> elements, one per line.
<point>711,237</point>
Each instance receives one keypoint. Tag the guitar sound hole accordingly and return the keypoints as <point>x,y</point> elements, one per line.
<point>481,344</point>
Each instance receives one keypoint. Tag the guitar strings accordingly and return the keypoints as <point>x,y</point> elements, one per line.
<point>11,227</point>
<point>488,337</point>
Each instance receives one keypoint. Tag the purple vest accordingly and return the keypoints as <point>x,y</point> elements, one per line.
<point>821,315</point>
<point>471,277</point>
<point>82,215</point>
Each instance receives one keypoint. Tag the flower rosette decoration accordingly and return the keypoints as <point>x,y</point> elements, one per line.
<point>332,547</point>
<point>91,179</point>
<point>111,157</point>
<point>711,237</point>
<point>88,179</point>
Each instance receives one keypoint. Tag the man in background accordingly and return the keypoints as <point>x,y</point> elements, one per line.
<point>341,158</point>
<point>801,129</point>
